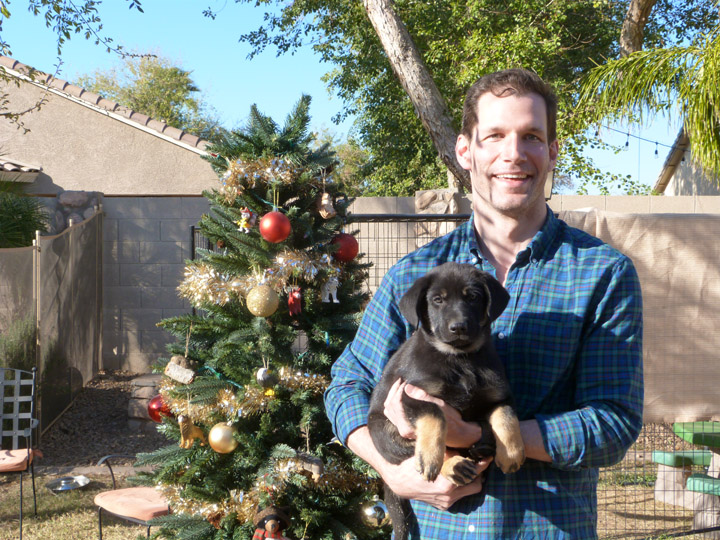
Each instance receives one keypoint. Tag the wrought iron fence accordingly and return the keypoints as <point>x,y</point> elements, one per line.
<point>638,499</point>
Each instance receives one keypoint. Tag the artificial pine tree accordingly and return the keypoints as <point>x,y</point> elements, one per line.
<point>278,300</point>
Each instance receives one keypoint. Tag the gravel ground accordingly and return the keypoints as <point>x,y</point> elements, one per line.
<point>96,425</point>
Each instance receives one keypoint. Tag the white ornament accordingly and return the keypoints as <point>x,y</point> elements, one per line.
<point>329,290</point>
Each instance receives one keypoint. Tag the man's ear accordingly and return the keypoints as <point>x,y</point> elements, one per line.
<point>462,152</point>
<point>554,149</point>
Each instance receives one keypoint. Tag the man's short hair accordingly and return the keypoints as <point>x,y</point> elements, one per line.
<point>507,83</point>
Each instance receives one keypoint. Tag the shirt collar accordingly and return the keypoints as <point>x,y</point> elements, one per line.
<point>539,245</point>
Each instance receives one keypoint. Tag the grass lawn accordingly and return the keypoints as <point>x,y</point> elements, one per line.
<point>65,516</point>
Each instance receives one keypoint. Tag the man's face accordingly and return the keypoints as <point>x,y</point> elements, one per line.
<point>509,155</point>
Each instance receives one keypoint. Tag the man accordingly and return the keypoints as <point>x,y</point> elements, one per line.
<point>570,337</point>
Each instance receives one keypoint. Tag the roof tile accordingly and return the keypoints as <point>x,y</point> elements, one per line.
<point>140,118</point>
<point>173,132</point>
<point>90,97</point>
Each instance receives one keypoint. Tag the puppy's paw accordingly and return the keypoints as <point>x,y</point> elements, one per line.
<point>459,470</point>
<point>429,461</point>
<point>510,457</point>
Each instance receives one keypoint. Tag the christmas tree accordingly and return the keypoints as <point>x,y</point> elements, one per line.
<point>277,299</point>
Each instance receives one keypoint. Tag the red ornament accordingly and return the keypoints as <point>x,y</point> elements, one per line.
<point>275,227</point>
<point>347,247</point>
<point>295,301</point>
<point>157,408</point>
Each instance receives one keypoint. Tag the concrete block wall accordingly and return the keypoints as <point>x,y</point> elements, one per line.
<point>147,240</point>
<point>146,243</point>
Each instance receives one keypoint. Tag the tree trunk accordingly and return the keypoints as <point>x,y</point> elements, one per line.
<point>631,35</point>
<point>417,82</point>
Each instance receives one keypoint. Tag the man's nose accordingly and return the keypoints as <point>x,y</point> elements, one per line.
<point>512,149</point>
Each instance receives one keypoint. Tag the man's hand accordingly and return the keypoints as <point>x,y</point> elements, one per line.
<point>405,481</point>
<point>460,434</point>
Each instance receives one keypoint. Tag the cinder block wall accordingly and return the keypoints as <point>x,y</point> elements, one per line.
<point>147,240</point>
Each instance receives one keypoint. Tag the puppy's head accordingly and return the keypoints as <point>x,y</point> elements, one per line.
<point>455,304</point>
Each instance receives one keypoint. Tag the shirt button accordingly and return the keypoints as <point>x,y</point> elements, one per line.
<point>471,528</point>
<point>501,335</point>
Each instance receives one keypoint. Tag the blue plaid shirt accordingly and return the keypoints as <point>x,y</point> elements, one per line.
<point>571,341</point>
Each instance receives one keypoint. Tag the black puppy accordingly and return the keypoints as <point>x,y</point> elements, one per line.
<point>450,356</point>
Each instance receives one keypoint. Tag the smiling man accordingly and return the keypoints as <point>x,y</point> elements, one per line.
<point>570,338</point>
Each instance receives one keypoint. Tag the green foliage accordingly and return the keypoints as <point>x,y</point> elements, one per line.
<point>264,166</point>
<point>153,86</point>
<point>655,80</point>
<point>18,343</point>
<point>459,41</point>
<point>20,216</point>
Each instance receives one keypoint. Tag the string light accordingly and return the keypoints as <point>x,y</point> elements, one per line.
<point>628,136</point>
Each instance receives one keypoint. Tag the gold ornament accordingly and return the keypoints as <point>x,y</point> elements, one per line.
<point>189,432</point>
<point>222,438</point>
<point>262,301</point>
<point>375,514</point>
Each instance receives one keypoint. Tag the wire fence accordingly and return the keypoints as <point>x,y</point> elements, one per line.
<point>645,496</point>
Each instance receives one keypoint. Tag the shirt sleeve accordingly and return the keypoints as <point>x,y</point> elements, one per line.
<point>609,380</point>
<point>359,367</point>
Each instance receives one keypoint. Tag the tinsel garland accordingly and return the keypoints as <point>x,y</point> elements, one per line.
<point>335,478</point>
<point>203,284</point>
<point>226,404</point>
<point>247,175</point>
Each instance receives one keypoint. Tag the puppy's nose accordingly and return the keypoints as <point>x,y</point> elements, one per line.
<point>458,328</point>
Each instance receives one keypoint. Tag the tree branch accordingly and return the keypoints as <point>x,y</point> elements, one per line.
<point>417,82</point>
<point>631,35</point>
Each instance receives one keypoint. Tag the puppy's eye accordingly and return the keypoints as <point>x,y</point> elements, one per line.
<point>437,300</point>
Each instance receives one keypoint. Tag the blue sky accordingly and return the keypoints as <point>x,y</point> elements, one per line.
<point>231,83</point>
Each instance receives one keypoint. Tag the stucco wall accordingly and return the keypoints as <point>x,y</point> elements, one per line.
<point>81,148</point>
<point>691,180</point>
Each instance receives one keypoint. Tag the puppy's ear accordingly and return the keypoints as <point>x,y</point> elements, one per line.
<point>499,297</point>
<point>413,304</point>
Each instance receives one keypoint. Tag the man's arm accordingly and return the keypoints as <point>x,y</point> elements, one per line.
<point>608,388</point>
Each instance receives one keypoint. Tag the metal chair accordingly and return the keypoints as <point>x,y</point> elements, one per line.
<point>17,426</point>
<point>136,504</point>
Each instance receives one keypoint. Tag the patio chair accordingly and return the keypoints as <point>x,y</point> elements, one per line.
<point>136,504</point>
<point>17,426</point>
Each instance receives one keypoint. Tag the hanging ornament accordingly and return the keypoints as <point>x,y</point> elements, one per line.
<point>222,438</point>
<point>347,247</point>
<point>270,522</point>
<point>329,289</point>
<point>275,227</point>
<point>220,243</point>
<point>247,220</point>
<point>295,301</point>
<point>266,378</point>
<point>157,408</point>
<point>262,301</point>
<point>180,369</point>
<point>189,432</point>
<point>325,206</point>
<point>375,514</point>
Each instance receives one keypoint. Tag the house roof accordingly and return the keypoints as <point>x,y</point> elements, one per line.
<point>16,171</point>
<point>672,161</point>
<point>102,105</point>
